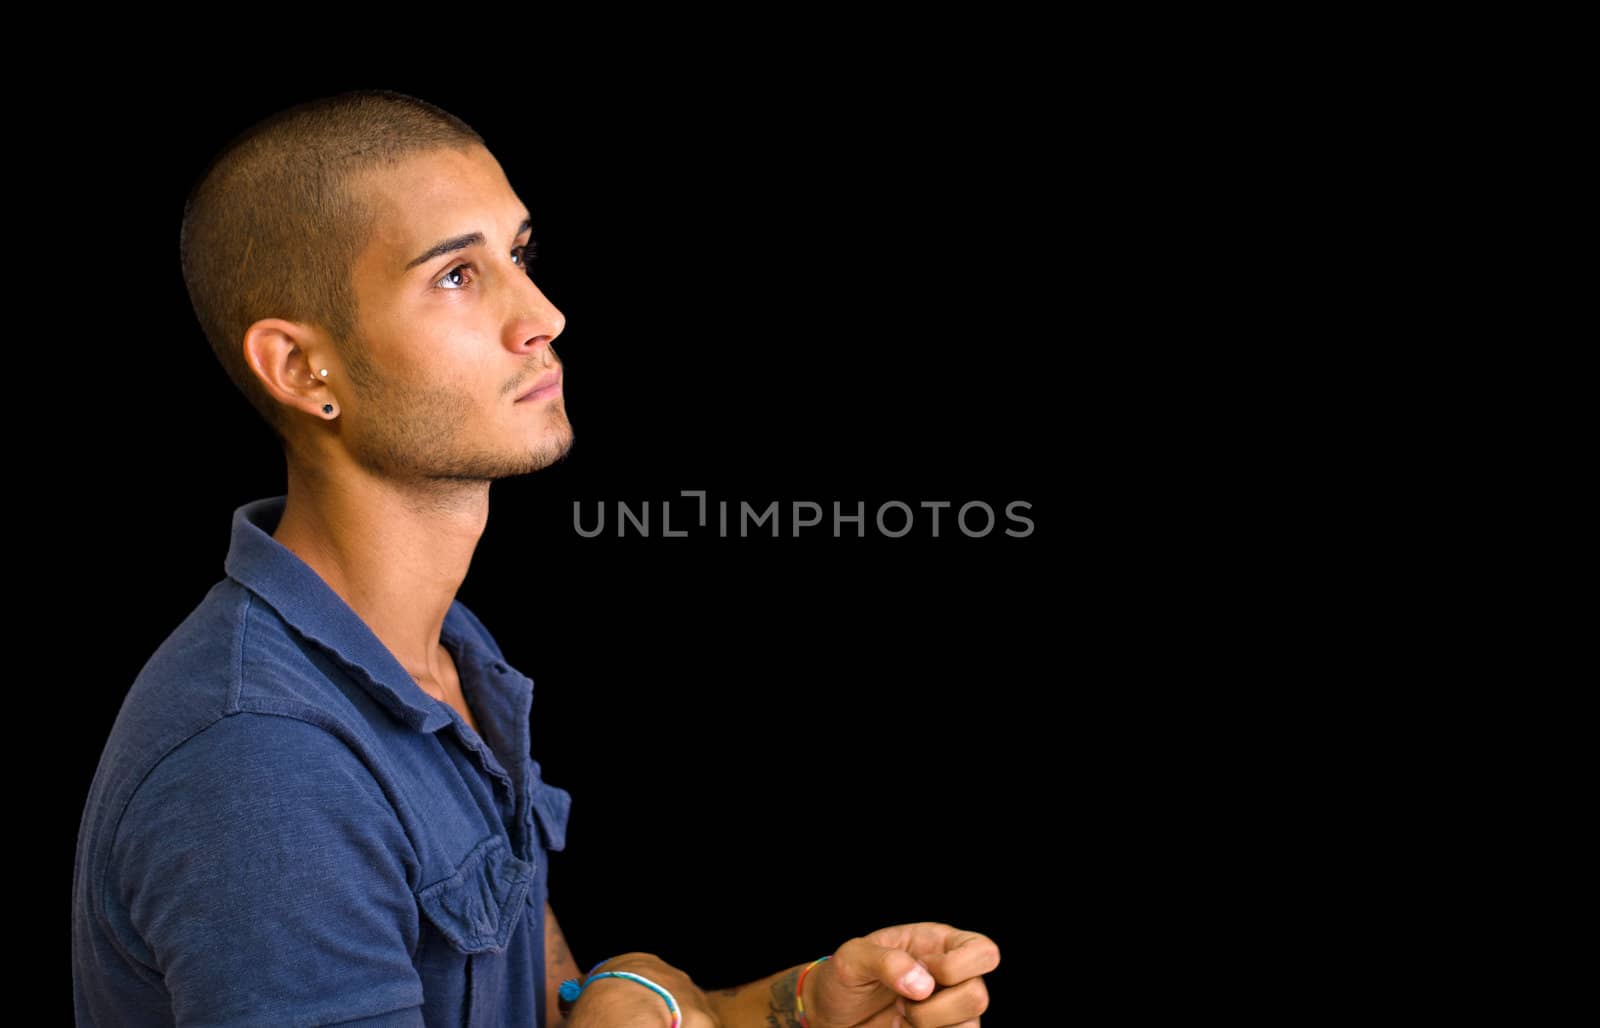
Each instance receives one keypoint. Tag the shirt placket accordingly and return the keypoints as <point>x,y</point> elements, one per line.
<point>511,786</point>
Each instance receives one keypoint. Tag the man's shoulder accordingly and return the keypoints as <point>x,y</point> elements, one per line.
<point>236,750</point>
<point>230,655</point>
<point>186,683</point>
<point>233,652</point>
<point>259,794</point>
<point>247,777</point>
<point>239,773</point>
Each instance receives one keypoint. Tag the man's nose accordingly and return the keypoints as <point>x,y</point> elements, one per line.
<point>540,323</point>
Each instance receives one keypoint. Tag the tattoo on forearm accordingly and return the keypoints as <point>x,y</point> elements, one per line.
<point>780,1008</point>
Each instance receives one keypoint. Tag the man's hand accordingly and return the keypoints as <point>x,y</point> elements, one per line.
<point>928,974</point>
<point>619,1003</point>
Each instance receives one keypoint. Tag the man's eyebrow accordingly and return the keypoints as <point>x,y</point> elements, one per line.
<point>460,243</point>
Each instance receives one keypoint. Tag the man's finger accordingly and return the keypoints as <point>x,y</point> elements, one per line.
<point>866,963</point>
<point>956,1005</point>
<point>967,955</point>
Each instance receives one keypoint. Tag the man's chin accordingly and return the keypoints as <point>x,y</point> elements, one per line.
<point>553,450</point>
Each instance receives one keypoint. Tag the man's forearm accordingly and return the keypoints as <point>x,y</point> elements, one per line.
<point>767,1003</point>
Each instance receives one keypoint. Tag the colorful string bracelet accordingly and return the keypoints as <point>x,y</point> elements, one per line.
<point>571,989</point>
<point>799,999</point>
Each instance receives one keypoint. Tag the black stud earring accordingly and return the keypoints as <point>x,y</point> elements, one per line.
<point>327,408</point>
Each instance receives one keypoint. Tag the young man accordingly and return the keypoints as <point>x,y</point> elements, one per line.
<point>317,804</point>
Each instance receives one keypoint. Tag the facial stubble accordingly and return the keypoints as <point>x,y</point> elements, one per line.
<point>428,441</point>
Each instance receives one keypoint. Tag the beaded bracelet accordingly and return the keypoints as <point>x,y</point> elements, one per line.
<point>571,990</point>
<point>799,999</point>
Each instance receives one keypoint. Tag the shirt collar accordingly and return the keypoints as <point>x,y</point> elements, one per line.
<point>308,604</point>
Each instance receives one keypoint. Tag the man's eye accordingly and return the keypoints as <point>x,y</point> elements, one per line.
<point>527,253</point>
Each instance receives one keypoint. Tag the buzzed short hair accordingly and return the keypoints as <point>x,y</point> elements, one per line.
<point>273,226</point>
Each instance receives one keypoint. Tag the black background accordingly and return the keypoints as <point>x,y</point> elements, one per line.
<point>847,287</point>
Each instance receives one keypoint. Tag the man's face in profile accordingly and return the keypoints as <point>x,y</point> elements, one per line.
<point>455,339</point>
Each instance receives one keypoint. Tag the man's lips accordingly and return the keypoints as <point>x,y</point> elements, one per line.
<point>552,379</point>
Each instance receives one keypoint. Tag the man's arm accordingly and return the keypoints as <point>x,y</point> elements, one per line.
<point>765,1003</point>
<point>558,967</point>
<point>897,968</point>
<point>265,870</point>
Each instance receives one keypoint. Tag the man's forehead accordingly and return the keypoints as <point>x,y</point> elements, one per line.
<point>438,195</point>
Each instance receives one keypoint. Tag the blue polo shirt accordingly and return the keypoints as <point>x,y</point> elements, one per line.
<point>284,829</point>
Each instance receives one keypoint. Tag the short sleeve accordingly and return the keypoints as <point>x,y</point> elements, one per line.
<point>270,880</point>
<point>553,806</point>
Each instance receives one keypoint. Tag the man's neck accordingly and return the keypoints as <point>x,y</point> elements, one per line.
<point>397,557</point>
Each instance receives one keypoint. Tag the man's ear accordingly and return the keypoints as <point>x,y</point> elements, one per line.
<point>294,365</point>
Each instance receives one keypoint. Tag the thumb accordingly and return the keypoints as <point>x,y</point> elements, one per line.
<point>884,965</point>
